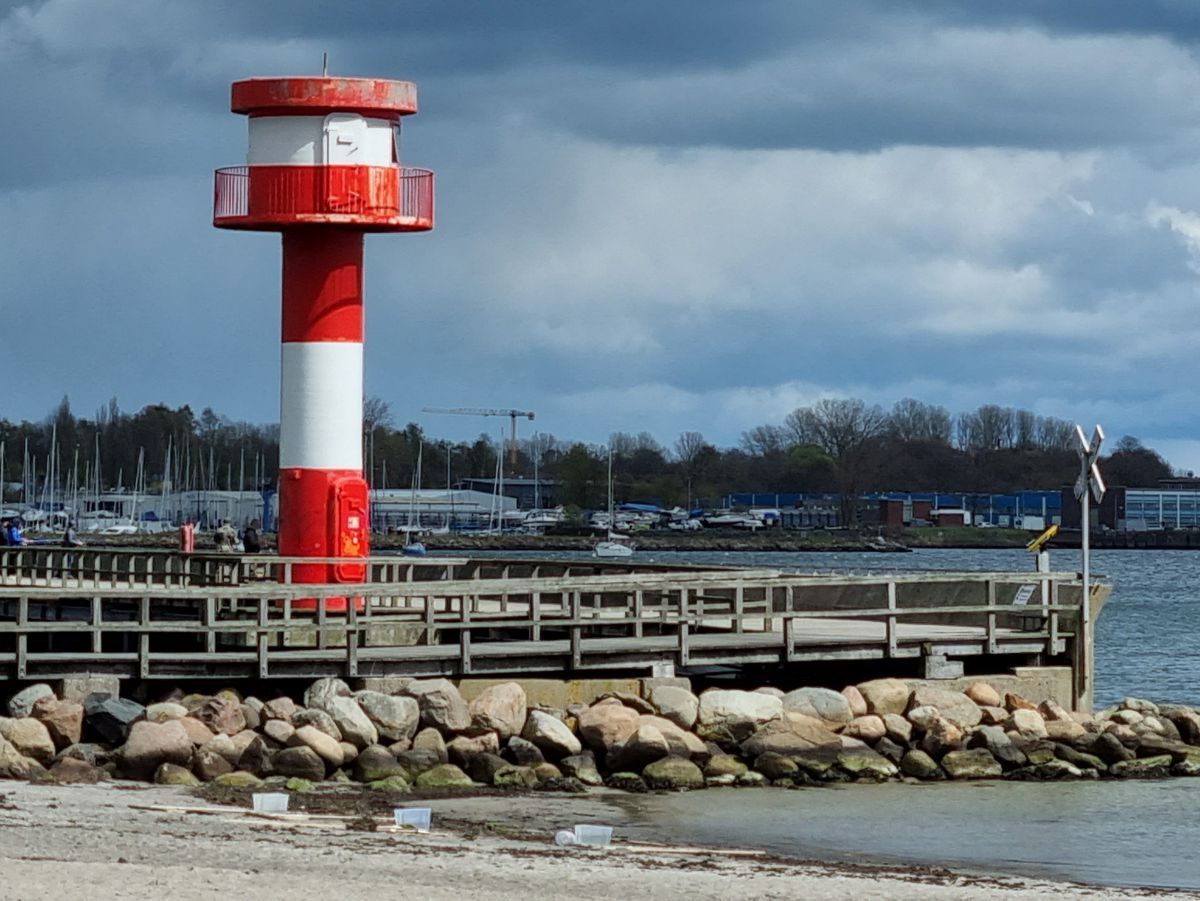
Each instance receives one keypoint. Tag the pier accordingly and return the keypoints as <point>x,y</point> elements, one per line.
<point>138,614</point>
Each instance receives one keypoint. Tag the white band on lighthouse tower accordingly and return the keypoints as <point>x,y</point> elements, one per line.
<point>321,397</point>
<point>346,139</point>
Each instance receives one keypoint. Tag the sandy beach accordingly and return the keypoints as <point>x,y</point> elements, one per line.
<point>62,841</point>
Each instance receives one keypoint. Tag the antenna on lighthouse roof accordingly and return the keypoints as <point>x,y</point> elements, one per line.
<point>324,64</point>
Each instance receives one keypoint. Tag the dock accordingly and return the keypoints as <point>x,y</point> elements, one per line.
<point>161,615</point>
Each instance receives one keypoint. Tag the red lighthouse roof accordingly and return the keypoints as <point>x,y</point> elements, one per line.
<point>312,95</point>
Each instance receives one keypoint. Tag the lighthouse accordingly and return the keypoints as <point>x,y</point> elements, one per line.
<point>323,168</point>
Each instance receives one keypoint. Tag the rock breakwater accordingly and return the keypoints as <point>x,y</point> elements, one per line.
<point>426,735</point>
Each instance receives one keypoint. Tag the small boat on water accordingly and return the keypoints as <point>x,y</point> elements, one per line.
<point>414,549</point>
<point>616,545</point>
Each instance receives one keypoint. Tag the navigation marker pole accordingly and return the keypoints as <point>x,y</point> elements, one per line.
<point>1090,484</point>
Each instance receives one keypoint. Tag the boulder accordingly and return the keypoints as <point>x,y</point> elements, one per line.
<point>444,775</point>
<point>680,742</point>
<point>996,742</point>
<point>582,766</point>
<point>941,737</point>
<point>1186,722</point>
<point>280,730</point>
<point>770,690</point>
<point>221,715</point>
<point>318,719</point>
<point>627,782</point>
<point>199,733</point>
<point>165,710</point>
<point>919,765</point>
<point>15,765</point>
<point>673,774</point>
<point>1027,722</point>
<point>983,694</point>
<point>111,718</point>
<point>208,765</point>
<point>172,774</point>
<point>676,704</point>
<point>550,735</point>
<point>21,704</point>
<point>323,745</point>
<point>523,752</point>
<point>866,764</point>
<point>821,703</point>
<point>397,746</point>
<point>482,768</point>
<point>604,726</point>
<point>898,728</point>
<point>726,715</point>
<point>889,749</point>
<point>1156,767</point>
<point>1063,730</point>
<point>395,716</point>
<point>950,705</point>
<point>644,746</point>
<point>355,726</point>
<point>975,763</point>
<point>922,717</point>
<point>885,695</point>
<point>93,754</point>
<point>256,758</point>
<point>858,704</point>
<point>1052,711</point>
<point>1080,759</point>
<point>640,704</point>
<point>317,694</point>
<point>71,771</point>
<point>279,709</point>
<point>415,761</point>
<point>993,716</point>
<point>30,737</point>
<point>792,735</point>
<point>441,704</point>
<point>300,761</point>
<point>776,766</point>
<point>724,765</point>
<point>251,716</point>
<point>151,744</point>
<point>1141,705</point>
<point>516,777</point>
<point>223,744</point>
<point>238,779</point>
<point>866,728</point>
<point>349,752</point>
<point>376,762</point>
<point>464,747</point>
<point>1016,702</point>
<point>429,739</point>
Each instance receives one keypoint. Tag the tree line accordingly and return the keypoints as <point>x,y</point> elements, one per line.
<point>841,446</point>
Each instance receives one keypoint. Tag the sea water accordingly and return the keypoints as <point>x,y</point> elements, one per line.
<point>1137,833</point>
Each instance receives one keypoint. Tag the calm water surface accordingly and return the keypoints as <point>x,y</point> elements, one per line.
<point>1118,833</point>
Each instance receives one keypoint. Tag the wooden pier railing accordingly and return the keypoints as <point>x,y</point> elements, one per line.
<point>163,615</point>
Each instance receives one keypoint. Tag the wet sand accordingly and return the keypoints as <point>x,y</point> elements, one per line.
<point>64,841</point>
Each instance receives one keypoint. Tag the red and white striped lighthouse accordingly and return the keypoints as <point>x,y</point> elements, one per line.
<point>323,167</point>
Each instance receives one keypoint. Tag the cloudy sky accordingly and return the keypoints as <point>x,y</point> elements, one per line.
<point>656,216</point>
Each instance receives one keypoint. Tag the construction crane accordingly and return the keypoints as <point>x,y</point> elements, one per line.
<point>513,416</point>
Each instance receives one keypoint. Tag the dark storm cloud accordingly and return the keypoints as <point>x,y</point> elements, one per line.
<point>659,215</point>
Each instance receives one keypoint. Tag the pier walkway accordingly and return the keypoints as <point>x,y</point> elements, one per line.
<point>156,614</point>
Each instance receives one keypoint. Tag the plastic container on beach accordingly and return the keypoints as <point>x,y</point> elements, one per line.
<point>564,838</point>
<point>417,817</point>
<point>270,802</point>
<point>593,836</point>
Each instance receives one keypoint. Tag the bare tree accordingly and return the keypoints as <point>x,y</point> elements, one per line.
<point>913,420</point>
<point>688,447</point>
<point>376,414</point>
<point>847,430</point>
<point>763,440</point>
